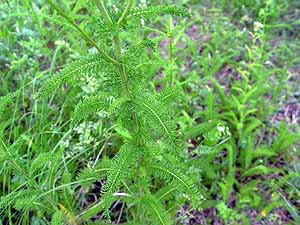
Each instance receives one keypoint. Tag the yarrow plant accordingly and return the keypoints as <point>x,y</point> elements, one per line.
<point>148,168</point>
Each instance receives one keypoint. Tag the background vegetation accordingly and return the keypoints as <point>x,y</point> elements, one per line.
<point>236,66</point>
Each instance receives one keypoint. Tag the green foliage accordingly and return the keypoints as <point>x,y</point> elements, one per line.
<point>154,11</point>
<point>226,213</point>
<point>7,100</point>
<point>152,118</point>
<point>71,72</point>
<point>119,170</point>
<point>238,96</point>
<point>142,123</point>
<point>181,181</point>
<point>89,106</point>
<point>57,218</point>
<point>155,210</point>
<point>155,118</point>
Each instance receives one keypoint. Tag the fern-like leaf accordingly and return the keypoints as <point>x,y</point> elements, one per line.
<point>119,170</point>
<point>89,106</point>
<point>10,199</point>
<point>10,154</point>
<point>6,101</point>
<point>168,95</point>
<point>88,176</point>
<point>159,119</point>
<point>156,118</point>
<point>153,11</point>
<point>134,52</point>
<point>183,183</point>
<point>69,73</point>
<point>139,48</point>
<point>204,149</point>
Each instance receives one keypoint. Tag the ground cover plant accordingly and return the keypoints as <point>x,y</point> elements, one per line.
<point>149,112</point>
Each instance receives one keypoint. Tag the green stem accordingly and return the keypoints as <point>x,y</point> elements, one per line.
<point>123,75</point>
<point>103,11</point>
<point>118,50</point>
<point>171,59</point>
<point>125,13</point>
<point>122,70</point>
<point>117,45</point>
<point>84,34</point>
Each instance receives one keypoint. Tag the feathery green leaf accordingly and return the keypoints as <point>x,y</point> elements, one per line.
<point>119,170</point>
<point>6,100</point>
<point>168,172</point>
<point>89,106</point>
<point>70,72</point>
<point>153,11</point>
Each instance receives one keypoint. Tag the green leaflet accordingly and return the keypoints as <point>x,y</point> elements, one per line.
<point>168,172</point>
<point>119,170</point>
<point>169,95</point>
<point>89,106</point>
<point>6,100</point>
<point>25,203</point>
<point>87,176</point>
<point>70,72</point>
<point>134,52</point>
<point>10,154</point>
<point>155,117</point>
<point>124,133</point>
<point>200,129</point>
<point>116,104</point>
<point>9,199</point>
<point>204,149</point>
<point>227,185</point>
<point>152,11</point>
<point>40,161</point>
<point>213,139</point>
